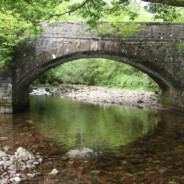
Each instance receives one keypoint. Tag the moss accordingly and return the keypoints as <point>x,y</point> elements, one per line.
<point>180,47</point>
<point>180,73</point>
<point>166,102</point>
<point>172,105</point>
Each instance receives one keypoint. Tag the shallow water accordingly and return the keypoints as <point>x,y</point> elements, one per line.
<point>139,146</point>
<point>76,124</point>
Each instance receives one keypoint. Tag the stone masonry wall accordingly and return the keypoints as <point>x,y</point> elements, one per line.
<point>156,50</point>
<point>5,91</point>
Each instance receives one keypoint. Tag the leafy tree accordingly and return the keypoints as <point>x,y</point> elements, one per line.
<point>178,3</point>
<point>22,18</point>
<point>164,12</point>
<point>13,30</point>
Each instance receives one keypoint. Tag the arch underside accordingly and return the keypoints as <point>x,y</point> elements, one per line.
<point>147,67</point>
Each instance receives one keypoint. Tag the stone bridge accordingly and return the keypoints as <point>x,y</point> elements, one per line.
<point>157,50</point>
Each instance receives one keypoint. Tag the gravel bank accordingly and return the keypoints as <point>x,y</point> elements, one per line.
<point>96,94</point>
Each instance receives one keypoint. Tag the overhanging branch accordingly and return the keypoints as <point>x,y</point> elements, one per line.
<point>178,3</point>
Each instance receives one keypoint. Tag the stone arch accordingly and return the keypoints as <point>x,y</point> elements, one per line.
<point>157,50</point>
<point>154,50</point>
<point>150,70</point>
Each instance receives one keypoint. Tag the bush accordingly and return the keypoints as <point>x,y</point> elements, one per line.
<point>101,72</point>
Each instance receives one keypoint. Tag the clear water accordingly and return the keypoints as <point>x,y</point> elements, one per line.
<point>76,124</point>
<point>138,146</point>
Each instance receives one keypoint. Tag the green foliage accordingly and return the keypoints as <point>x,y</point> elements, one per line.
<point>31,10</point>
<point>20,19</point>
<point>13,30</point>
<point>101,72</point>
<point>125,30</point>
<point>180,47</point>
<point>164,12</point>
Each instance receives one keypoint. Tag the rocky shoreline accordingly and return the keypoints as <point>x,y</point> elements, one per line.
<point>18,167</point>
<point>104,95</point>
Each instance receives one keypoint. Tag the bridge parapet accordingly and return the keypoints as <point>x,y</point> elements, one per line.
<point>149,31</point>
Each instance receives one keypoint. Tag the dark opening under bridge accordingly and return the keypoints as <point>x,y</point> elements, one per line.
<point>157,50</point>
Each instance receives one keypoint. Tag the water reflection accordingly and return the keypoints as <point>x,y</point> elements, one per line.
<point>78,124</point>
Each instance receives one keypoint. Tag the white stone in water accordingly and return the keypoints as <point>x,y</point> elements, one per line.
<point>23,153</point>
<point>54,172</point>
<point>12,172</point>
<point>82,153</point>
<point>4,181</point>
<point>12,167</point>
<point>30,166</point>
<point>40,160</point>
<point>30,175</point>
<point>8,163</point>
<point>2,154</point>
<point>36,163</point>
<point>29,162</point>
<point>5,158</point>
<point>17,179</point>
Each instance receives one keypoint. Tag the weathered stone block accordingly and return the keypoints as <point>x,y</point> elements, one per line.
<point>5,91</point>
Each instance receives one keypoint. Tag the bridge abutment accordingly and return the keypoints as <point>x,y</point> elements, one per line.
<point>21,99</point>
<point>173,98</point>
<point>6,91</point>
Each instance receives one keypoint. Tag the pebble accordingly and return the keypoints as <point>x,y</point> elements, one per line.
<point>2,154</point>
<point>24,154</point>
<point>54,172</point>
<point>40,160</point>
<point>12,167</point>
<point>82,153</point>
<point>4,181</point>
<point>17,179</point>
<point>20,161</point>
<point>71,162</point>
<point>3,138</point>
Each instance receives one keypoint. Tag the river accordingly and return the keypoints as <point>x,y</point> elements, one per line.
<point>132,145</point>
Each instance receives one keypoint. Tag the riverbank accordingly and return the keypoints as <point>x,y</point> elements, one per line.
<point>104,95</point>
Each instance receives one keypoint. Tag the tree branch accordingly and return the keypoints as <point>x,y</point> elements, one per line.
<point>68,12</point>
<point>179,3</point>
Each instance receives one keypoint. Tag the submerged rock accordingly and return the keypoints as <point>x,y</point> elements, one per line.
<point>54,172</point>
<point>24,154</point>
<point>2,154</point>
<point>82,153</point>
